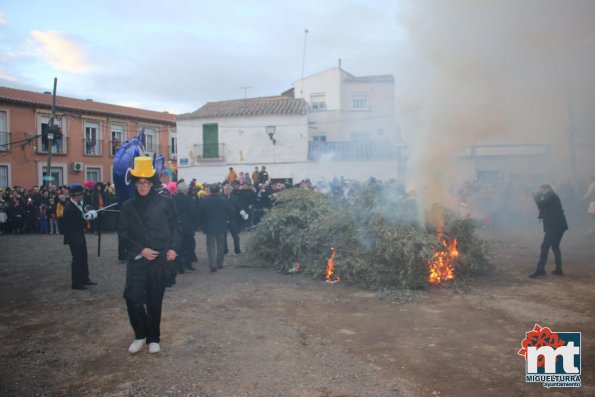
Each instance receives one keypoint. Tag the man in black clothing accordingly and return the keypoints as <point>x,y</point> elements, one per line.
<point>151,230</point>
<point>187,212</point>
<point>233,224</point>
<point>73,222</point>
<point>213,213</point>
<point>554,226</point>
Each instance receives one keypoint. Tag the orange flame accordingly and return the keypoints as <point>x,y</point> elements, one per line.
<point>441,266</point>
<point>330,276</point>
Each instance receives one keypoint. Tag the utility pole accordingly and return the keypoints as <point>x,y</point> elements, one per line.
<point>245,88</point>
<point>48,177</point>
<point>303,61</point>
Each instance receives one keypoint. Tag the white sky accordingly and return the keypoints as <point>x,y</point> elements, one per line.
<point>176,55</point>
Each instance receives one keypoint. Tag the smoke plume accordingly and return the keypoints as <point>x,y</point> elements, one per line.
<point>494,72</point>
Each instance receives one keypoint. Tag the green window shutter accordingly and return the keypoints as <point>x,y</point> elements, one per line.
<point>210,140</point>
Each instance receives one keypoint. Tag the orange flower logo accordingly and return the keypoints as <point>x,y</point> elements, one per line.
<point>540,336</point>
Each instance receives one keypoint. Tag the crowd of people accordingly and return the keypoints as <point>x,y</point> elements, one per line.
<point>490,203</point>
<point>156,227</point>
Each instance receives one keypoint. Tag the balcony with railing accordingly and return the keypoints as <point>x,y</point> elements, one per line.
<point>4,141</point>
<point>352,150</point>
<point>59,146</point>
<point>151,148</point>
<point>209,152</point>
<point>92,147</point>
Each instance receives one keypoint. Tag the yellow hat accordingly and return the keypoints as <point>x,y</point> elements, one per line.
<point>143,167</point>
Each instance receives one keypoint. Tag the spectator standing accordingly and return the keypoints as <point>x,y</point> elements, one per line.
<point>214,212</point>
<point>51,212</point>
<point>232,176</point>
<point>255,176</point>
<point>187,211</point>
<point>263,176</point>
<point>233,224</point>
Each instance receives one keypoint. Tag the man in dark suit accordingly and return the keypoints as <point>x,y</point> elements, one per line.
<point>213,213</point>
<point>233,225</point>
<point>554,226</point>
<point>73,223</point>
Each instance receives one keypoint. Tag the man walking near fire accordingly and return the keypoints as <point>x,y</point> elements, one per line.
<point>554,226</point>
<point>151,231</point>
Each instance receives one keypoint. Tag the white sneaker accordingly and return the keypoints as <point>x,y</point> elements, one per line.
<point>154,347</point>
<point>136,346</point>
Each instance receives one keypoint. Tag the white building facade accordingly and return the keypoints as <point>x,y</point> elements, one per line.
<point>332,124</point>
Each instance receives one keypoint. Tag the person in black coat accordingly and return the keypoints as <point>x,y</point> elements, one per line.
<point>73,223</point>
<point>554,226</point>
<point>187,211</point>
<point>213,213</point>
<point>151,231</point>
<point>233,224</point>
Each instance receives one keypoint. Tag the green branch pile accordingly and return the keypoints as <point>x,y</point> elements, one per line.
<point>378,241</point>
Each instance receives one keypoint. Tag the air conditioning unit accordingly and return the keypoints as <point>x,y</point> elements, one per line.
<point>77,166</point>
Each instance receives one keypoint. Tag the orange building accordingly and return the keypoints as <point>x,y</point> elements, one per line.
<point>92,132</point>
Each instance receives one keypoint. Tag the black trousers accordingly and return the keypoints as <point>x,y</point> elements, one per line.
<point>79,266</point>
<point>144,290</point>
<point>215,247</point>
<point>234,230</point>
<point>550,240</point>
<point>121,248</point>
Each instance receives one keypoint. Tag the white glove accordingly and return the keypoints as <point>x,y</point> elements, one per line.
<point>244,215</point>
<point>90,215</point>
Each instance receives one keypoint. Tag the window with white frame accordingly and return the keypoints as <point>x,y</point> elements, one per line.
<point>92,141</point>
<point>151,140</point>
<point>57,175</point>
<point>58,145</point>
<point>117,137</point>
<point>359,102</point>
<point>173,147</point>
<point>319,138</point>
<point>4,135</point>
<point>317,101</point>
<point>4,176</point>
<point>93,174</point>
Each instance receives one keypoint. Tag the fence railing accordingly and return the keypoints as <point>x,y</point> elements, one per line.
<point>59,146</point>
<point>209,151</point>
<point>92,147</point>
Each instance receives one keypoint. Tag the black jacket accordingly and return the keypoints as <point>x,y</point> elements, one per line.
<point>551,212</point>
<point>187,212</point>
<point>235,202</point>
<point>150,222</point>
<point>73,224</point>
<point>213,213</point>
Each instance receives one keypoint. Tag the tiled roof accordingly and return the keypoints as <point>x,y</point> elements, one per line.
<point>249,107</point>
<point>383,78</point>
<point>31,98</point>
<point>355,150</point>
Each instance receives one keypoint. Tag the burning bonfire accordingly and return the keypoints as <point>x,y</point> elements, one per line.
<point>330,276</point>
<point>441,266</point>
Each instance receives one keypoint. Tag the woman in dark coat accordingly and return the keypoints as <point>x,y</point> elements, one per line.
<point>151,231</point>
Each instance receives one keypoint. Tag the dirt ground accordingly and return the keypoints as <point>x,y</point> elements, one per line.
<point>252,332</point>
